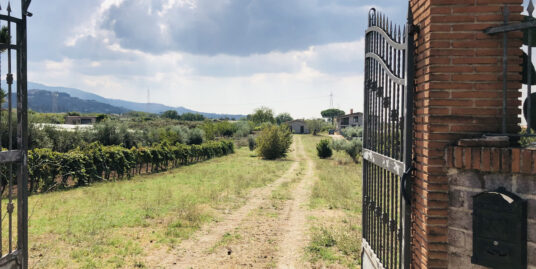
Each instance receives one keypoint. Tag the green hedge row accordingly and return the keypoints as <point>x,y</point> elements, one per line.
<point>51,170</point>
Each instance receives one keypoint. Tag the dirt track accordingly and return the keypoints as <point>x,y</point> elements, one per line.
<point>268,231</point>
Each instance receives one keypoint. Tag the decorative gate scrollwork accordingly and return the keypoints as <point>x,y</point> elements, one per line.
<point>387,142</point>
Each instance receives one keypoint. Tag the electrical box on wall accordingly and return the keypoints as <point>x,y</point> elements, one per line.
<point>499,230</point>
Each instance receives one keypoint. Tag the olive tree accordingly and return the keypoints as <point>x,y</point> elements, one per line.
<point>283,117</point>
<point>262,115</point>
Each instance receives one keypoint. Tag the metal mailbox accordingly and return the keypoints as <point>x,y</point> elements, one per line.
<point>499,230</point>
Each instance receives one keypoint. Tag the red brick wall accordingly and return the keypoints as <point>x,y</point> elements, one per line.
<point>458,95</point>
<point>494,160</point>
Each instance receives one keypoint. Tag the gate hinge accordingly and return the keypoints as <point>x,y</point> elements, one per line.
<point>405,176</point>
<point>9,79</point>
<point>414,29</point>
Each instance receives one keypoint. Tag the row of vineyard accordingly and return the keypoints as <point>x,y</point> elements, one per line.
<point>51,170</point>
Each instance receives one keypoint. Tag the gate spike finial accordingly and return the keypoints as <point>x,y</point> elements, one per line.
<point>9,6</point>
<point>530,8</point>
<point>379,20</point>
<point>372,16</point>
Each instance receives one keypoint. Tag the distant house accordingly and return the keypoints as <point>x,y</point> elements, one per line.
<point>350,120</point>
<point>74,120</point>
<point>298,127</point>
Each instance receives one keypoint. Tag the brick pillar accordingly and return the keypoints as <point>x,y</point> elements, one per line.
<point>459,95</point>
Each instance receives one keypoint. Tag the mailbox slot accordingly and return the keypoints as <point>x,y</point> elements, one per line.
<point>499,230</point>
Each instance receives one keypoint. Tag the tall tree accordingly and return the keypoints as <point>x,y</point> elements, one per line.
<point>171,114</point>
<point>331,114</point>
<point>283,117</point>
<point>262,115</point>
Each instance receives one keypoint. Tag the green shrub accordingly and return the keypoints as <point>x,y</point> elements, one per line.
<point>252,143</point>
<point>192,117</point>
<point>171,114</point>
<point>243,129</point>
<point>352,132</point>
<point>339,144</point>
<point>195,137</point>
<point>173,134</point>
<point>323,149</point>
<point>262,115</point>
<point>225,129</point>
<point>316,126</point>
<point>274,142</point>
<point>354,149</point>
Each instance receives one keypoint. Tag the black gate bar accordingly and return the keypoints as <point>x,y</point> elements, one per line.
<point>388,142</point>
<point>16,159</point>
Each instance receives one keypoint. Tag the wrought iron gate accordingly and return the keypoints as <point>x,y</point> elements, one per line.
<point>14,160</point>
<point>387,140</point>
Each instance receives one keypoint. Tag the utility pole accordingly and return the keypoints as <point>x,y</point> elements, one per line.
<point>148,100</point>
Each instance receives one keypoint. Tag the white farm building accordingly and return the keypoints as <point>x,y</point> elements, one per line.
<point>298,127</point>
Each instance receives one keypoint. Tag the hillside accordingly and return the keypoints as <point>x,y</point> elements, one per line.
<point>46,101</point>
<point>127,105</point>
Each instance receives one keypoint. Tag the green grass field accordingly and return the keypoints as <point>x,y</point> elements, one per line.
<point>117,224</point>
<point>336,228</point>
<point>110,225</point>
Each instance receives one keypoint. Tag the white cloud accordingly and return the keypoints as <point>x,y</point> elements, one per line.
<point>216,56</point>
<point>291,82</point>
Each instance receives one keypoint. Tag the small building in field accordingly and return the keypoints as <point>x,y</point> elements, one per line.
<point>298,127</point>
<point>349,120</point>
<point>80,120</point>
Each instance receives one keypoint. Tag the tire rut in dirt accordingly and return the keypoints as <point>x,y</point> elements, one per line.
<point>204,249</point>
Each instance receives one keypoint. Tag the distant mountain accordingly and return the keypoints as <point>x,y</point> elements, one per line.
<point>144,107</point>
<point>46,102</point>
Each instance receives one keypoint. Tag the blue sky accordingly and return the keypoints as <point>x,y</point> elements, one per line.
<point>227,56</point>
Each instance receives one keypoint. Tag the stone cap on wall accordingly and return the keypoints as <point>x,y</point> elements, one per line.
<point>492,159</point>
